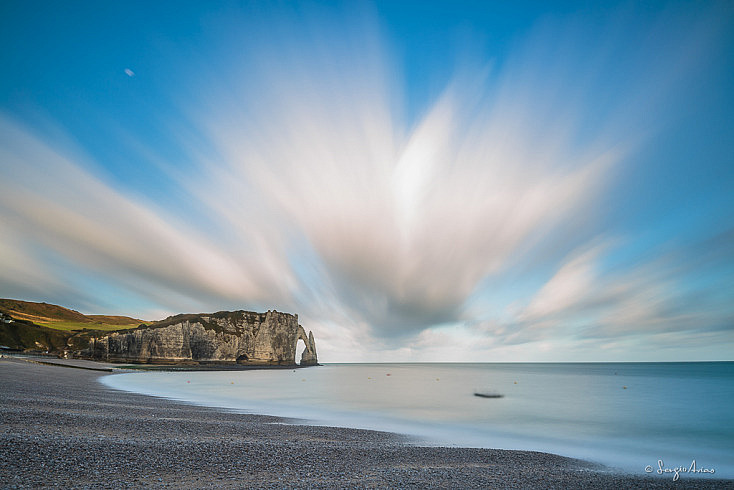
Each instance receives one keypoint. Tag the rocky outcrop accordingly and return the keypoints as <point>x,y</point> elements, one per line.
<point>241,337</point>
<point>308,358</point>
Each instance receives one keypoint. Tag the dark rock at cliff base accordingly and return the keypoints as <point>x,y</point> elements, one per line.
<point>236,337</point>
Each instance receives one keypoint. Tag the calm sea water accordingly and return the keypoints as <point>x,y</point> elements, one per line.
<point>625,415</point>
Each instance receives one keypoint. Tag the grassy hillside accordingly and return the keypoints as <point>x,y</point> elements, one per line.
<point>29,326</point>
<point>24,335</point>
<point>60,318</point>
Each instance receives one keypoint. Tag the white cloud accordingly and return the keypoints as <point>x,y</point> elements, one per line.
<point>657,302</point>
<point>20,270</point>
<point>51,200</point>
<point>570,286</point>
<point>404,222</point>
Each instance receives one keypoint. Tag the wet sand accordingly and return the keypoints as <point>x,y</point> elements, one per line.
<point>61,427</point>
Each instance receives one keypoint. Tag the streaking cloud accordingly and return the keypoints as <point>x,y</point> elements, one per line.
<point>318,191</point>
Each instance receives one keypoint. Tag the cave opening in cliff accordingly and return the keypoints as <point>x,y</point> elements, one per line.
<point>300,347</point>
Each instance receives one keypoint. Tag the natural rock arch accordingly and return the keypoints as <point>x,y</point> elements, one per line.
<point>300,349</point>
<point>308,358</point>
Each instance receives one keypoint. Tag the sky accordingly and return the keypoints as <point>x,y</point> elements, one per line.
<point>419,181</point>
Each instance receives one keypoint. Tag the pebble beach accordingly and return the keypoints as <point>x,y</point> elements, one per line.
<point>62,428</point>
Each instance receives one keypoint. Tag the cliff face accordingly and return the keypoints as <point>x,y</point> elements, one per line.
<point>241,337</point>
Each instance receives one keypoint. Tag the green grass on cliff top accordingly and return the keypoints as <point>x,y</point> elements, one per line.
<point>64,319</point>
<point>69,325</point>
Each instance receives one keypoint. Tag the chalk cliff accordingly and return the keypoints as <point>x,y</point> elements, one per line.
<point>241,337</point>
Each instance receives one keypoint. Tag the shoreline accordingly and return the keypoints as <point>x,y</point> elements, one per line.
<point>114,366</point>
<point>63,426</point>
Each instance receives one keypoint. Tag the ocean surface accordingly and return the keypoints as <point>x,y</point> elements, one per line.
<point>625,415</point>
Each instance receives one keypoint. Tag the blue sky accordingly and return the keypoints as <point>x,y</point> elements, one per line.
<point>419,181</point>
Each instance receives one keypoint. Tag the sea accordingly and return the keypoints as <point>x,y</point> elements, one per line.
<point>635,417</point>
